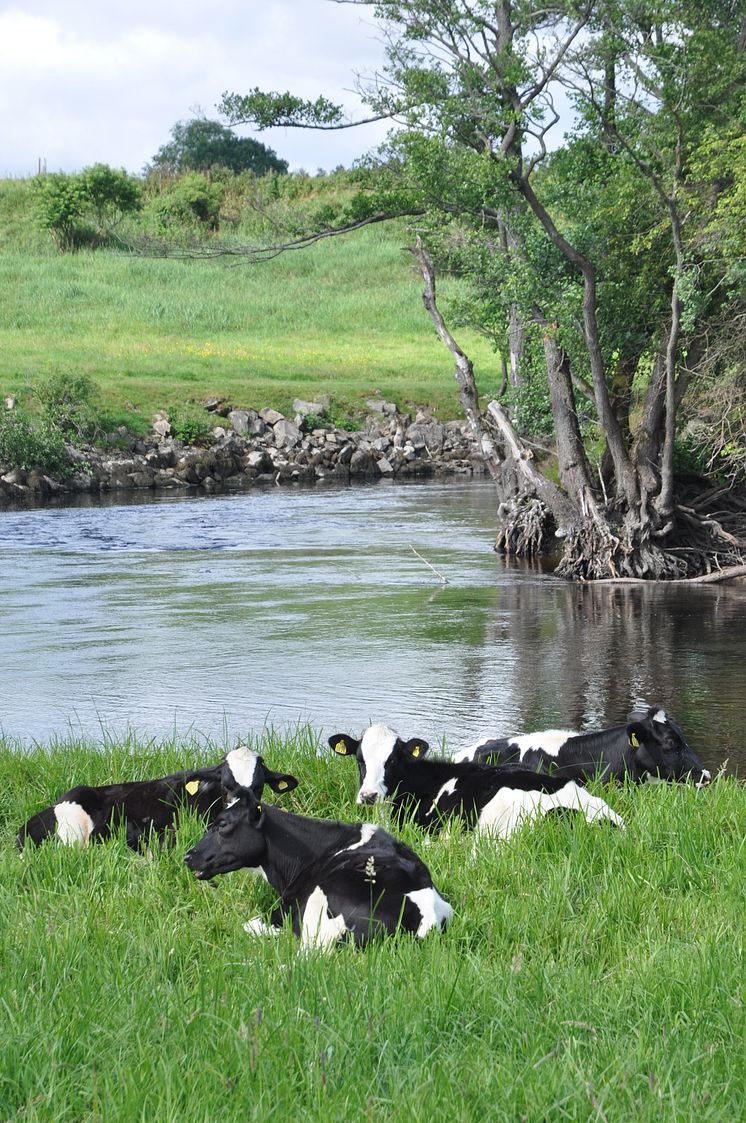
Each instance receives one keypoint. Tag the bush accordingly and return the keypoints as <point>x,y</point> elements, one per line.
<point>192,426</point>
<point>25,444</point>
<point>67,204</point>
<point>70,404</point>
<point>60,205</point>
<point>192,202</point>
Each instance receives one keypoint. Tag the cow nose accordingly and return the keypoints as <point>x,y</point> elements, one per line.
<point>368,797</point>
<point>189,857</point>
<point>704,779</point>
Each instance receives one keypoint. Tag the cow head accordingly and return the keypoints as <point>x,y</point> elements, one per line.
<point>660,750</point>
<point>245,769</point>
<point>379,755</point>
<point>234,841</point>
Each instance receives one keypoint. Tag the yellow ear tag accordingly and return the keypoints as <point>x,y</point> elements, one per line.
<point>258,808</point>
<point>416,750</point>
<point>192,787</point>
<point>633,741</point>
<point>282,784</point>
<point>341,748</point>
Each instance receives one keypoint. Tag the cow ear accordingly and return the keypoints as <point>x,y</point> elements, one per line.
<point>344,745</point>
<point>280,781</point>
<point>191,785</point>
<point>416,747</point>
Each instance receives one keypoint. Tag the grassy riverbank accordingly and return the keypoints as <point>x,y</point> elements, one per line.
<point>589,974</point>
<point>343,318</point>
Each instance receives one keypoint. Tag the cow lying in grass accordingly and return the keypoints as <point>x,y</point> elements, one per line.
<point>86,814</point>
<point>334,879</point>
<point>490,800</point>
<point>649,747</point>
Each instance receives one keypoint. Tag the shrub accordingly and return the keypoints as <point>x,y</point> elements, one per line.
<point>25,444</point>
<point>192,202</point>
<point>70,404</point>
<point>192,426</point>
<point>60,204</point>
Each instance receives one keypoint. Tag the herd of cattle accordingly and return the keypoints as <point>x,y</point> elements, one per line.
<point>355,879</point>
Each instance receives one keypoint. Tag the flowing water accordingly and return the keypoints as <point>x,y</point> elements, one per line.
<point>219,616</point>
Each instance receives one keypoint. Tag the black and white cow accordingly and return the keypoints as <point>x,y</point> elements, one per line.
<point>491,800</point>
<point>335,880</point>
<point>86,814</point>
<point>649,747</point>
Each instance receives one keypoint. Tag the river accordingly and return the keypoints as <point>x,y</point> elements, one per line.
<point>218,616</point>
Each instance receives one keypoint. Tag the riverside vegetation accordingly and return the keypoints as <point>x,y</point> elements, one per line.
<point>587,974</point>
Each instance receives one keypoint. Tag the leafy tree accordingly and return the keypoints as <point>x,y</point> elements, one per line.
<point>191,202</point>
<point>67,205</point>
<point>111,193</point>
<point>199,145</point>
<point>593,257</point>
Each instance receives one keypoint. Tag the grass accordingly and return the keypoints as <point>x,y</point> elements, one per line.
<point>343,318</point>
<point>588,974</point>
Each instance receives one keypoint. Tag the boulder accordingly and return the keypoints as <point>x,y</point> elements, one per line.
<point>286,434</point>
<point>270,416</point>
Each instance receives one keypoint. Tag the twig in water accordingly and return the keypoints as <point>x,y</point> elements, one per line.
<point>443,580</point>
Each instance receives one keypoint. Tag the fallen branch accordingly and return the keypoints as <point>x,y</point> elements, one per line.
<point>443,580</point>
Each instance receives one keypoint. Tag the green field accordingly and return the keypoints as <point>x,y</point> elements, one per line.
<point>343,318</point>
<point>589,974</point>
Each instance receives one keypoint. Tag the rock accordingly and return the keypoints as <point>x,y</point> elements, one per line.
<point>17,476</point>
<point>321,405</point>
<point>162,427</point>
<point>219,433</point>
<point>217,405</point>
<point>270,416</point>
<point>259,461</point>
<point>378,405</point>
<point>239,419</point>
<point>385,467</point>
<point>427,435</point>
<point>287,435</point>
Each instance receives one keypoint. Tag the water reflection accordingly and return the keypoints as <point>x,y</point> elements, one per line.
<point>223,614</point>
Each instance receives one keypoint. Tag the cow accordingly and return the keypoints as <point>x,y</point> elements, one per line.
<point>87,814</point>
<point>335,880</point>
<point>491,800</point>
<point>648,748</point>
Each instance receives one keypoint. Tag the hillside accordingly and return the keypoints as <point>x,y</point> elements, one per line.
<point>343,318</point>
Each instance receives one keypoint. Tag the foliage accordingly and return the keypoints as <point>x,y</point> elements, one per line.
<point>81,209</point>
<point>60,204</point>
<point>190,204</point>
<point>70,404</point>
<point>199,145</point>
<point>191,425</point>
<point>111,193</point>
<point>28,443</point>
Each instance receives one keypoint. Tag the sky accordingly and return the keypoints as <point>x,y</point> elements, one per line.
<point>83,82</point>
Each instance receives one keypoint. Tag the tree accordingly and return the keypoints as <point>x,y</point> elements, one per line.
<point>199,145</point>
<point>622,316</point>
<point>67,204</point>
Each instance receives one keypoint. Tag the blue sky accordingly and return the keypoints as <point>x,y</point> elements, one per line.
<point>82,82</point>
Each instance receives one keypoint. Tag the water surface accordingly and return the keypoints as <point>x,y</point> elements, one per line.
<point>222,615</point>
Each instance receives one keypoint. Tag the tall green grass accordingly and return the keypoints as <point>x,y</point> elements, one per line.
<point>588,974</point>
<point>343,318</point>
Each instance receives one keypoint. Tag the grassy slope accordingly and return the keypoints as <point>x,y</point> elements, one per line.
<point>343,318</point>
<point>589,974</point>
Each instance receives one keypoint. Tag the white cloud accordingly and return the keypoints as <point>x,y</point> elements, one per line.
<point>81,82</point>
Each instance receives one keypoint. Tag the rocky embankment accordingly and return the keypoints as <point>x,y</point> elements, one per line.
<point>250,448</point>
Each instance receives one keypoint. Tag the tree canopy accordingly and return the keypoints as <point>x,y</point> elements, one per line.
<point>609,271</point>
<point>200,144</point>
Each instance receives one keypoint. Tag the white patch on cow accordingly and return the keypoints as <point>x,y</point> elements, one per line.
<point>258,927</point>
<point>705,778</point>
<point>470,750</point>
<point>376,748</point>
<point>660,716</point>
<point>448,789</point>
<point>435,912</point>
<point>367,830</point>
<point>73,823</point>
<point>242,763</point>
<point>510,807</point>
<point>319,931</point>
<point>549,741</point>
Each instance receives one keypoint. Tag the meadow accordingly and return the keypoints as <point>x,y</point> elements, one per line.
<point>589,974</point>
<point>343,318</point>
